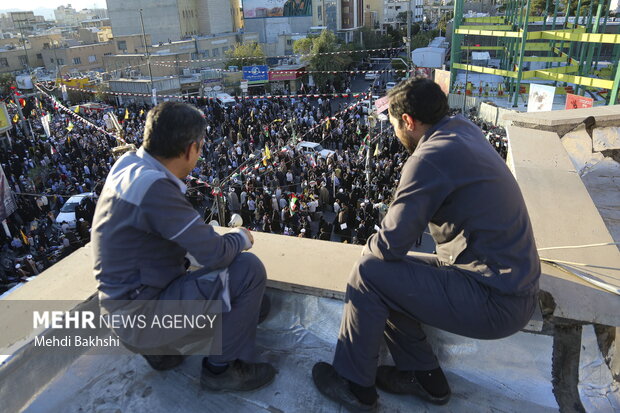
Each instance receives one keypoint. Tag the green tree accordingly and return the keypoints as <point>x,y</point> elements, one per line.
<point>326,42</point>
<point>6,81</point>
<point>247,54</point>
<point>538,7</point>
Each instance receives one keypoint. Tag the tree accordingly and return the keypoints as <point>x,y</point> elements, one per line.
<point>318,60</point>
<point>248,54</point>
<point>6,81</point>
<point>538,7</point>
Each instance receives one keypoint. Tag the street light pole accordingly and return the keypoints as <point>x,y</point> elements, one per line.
<point>408,34</point>
<point>148,59</point>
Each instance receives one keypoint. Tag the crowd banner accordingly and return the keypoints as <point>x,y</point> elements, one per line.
<point>488,113</point>
<point>578,102</point>
<point>442,78</point>
<point>541,98</point>
<point>8,205</point>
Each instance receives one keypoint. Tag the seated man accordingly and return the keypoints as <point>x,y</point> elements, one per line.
<point>143,228</point>
<point>483,282</point>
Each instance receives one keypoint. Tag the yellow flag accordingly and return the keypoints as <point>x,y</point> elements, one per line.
<point>267,152</point>
<point>252,115</point>
<point>16,118</point>
<point>77,109</point>
<point>376,150</point>
<point>141,112</point>
<point>126,114</point>
<point>70,127</point>
<point>24,238</point>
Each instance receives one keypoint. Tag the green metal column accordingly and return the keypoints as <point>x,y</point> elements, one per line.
<point>555,16</point>
<point>598,47</point>
<point>613,96</point>
<point>514,45</point>
<point>587,68</point>
<point>577,13</point>
<point>584,46</point>
<point>521,55</point>
<point>455,51</point>
<point>564,26</point>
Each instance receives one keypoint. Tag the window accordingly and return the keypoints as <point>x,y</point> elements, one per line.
<point>46,45</point>
<point>205,53</point>
<point>51,60</point>
<point>77,60</point>
<point>92,58</point>
<point>4,62</point>
<point>194,56</point>
<point>121,45</point>
<point>39,56</point>
<point>216,52</point>
<point>319,13</point>
<point>289,42</point>
<point>60,61</point>
<point>23,60</point>
<point>224,49</point>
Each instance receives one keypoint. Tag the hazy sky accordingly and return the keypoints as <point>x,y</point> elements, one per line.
<point>52,4</point>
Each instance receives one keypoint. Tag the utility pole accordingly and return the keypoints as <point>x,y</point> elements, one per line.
<point>148,60</point>
<point>409,36</point>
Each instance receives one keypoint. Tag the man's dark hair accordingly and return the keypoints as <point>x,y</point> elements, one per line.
<point>420,98</point>
<point>171,127</point>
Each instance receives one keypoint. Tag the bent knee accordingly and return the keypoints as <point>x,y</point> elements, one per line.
<point>251,264</point>
<point>366,269</point>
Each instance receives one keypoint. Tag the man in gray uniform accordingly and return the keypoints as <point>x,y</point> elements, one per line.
<point>483,282</point>
<point>143,228</point>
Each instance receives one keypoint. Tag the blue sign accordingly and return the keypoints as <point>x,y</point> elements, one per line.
<point>256,74</point>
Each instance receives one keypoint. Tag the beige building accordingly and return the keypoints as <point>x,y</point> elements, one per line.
<point>172,20</point>
<point>74,59</point>
<point>14,58</point>
<point>95,35</point>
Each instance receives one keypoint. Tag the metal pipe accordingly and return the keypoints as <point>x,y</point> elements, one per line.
<point>146,49</point>
<point>521,55</point>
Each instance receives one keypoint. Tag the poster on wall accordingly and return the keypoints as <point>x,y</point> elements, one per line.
<point>257,9</point>
<point>541,98</point>
<point>442,78</point>
<point>578,102</point>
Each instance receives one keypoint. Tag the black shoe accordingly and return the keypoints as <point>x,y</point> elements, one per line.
<point>265,306</point>
<point>161,363</point>
<point>239,376</point>
<point>430,385</point>
<point>336,388</point>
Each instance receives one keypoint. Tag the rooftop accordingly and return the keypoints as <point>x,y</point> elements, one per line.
<point>524,372</point>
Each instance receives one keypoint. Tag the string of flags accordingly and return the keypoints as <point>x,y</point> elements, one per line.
<point>75,116</point>
<point>297,96</point>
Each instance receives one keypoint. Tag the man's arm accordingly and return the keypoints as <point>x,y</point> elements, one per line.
<point>422,190</point>
<point>165,211</point>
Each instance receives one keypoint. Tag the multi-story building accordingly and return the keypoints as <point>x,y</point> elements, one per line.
<point>171,20</point>
<point>393,8</point>
<point>75,59</point>
<point>14,57</point>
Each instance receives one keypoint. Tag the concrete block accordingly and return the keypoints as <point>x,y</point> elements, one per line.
<point>606,138</point>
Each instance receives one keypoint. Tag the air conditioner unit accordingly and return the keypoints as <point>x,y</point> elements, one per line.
<point>187,72</point>
<point>134,74</point>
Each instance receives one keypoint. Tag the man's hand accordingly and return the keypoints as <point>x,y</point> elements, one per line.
<point>248,233</point>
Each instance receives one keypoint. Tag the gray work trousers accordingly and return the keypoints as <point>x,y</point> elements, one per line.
<point>246,282</point>
<point>389,299</point>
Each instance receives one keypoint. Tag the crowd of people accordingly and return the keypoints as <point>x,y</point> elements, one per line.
<point>250,166</point>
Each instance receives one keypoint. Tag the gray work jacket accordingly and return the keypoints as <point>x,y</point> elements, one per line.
<point>457,184</point>
<point>144,226</point>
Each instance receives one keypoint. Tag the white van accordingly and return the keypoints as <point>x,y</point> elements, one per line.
<point>225,100</point>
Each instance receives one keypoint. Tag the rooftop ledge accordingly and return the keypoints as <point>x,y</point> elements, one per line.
<point>561,211</point>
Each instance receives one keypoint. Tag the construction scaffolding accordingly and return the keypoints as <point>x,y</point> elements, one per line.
<point>570,47</point>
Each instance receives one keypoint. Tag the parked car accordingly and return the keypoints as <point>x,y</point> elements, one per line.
<point>371,76</point>
<point>314,148</point>
<point>389,85</point>
<point>67,212</point>
<point>367,107</point>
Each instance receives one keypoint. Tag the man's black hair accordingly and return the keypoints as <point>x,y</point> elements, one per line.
<point>420,98</point>
<point>171,127</point>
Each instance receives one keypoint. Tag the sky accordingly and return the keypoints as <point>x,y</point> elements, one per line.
<point>52,4</point>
